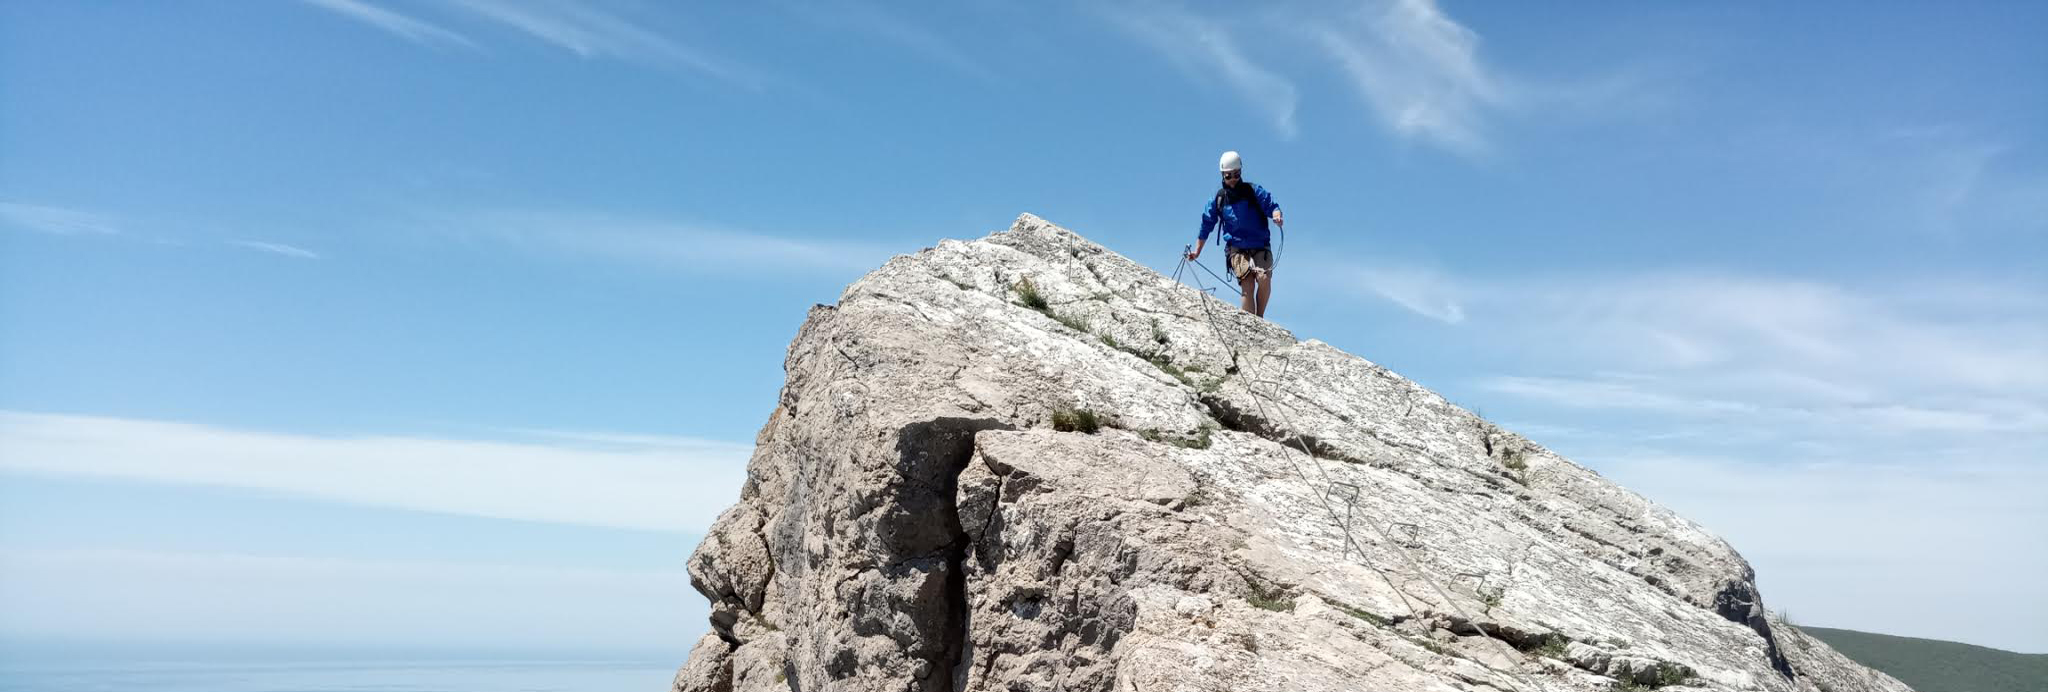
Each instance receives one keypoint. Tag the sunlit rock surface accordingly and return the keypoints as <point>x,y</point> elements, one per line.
<point>913,521</point>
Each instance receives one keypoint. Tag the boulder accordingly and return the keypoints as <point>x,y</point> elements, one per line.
<point>1028,463</point>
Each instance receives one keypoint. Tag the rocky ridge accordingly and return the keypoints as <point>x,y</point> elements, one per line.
<point>1028,463</point>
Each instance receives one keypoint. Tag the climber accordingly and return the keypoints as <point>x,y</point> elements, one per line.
<point>1240,211</point>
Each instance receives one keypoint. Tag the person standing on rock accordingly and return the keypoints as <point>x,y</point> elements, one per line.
<point>1241,210</point>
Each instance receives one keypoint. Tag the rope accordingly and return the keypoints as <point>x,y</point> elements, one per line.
<point>1282,249</point>
<point>1184,262</point>
<point>1323,499</point>
<point>1277,253</point>
<point>1350,540</point>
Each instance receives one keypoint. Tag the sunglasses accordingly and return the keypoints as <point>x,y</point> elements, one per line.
<point>1232,175</point>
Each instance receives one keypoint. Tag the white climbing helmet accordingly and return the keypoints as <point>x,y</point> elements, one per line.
<point>1230,162</point>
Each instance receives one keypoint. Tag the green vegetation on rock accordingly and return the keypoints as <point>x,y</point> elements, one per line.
<point>1931,665</point>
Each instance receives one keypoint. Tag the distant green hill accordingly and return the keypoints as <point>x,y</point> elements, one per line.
<point>1937,666</point>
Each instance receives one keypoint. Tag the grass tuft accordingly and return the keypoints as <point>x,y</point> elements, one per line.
<point>1667,675</point>
<point>1376,620</point>
<point>1514,459</point>
<point>1028,296</point>
<point>1165,365</point>
<point>1073,322</point>
<point>1079,420</point>
<point>1277,600</point>
<point>1671,675</point>
<point>1202,438</point>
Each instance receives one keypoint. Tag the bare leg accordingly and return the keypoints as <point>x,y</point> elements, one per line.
<point>1247,287</point>
<point>1265,291</point>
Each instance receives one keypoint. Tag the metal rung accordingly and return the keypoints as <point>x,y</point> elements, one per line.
<point>1413,539</point>
<point>1350,507</point>
<point>1479,587</point>
<point>1350,497</point>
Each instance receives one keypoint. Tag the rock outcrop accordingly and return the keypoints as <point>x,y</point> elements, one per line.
<point>1028,463</point>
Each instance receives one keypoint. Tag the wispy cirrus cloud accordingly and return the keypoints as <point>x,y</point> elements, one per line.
<point>588,30</point>
<point>110,594</point>
<point>77,222</point>
<point>691,248</point>
<point>1741,360</point>
<point>1817,336</point>
<point>276,248</point>
<point>591,31</point>
<point>1962,191</point>
<point>57,220</point>
<point>1423,291</point>
<point>646,483</point>
<point>874,20</point>
<point>414,30</point>
<point>1829,538</point>
<point>1419,71</point>
<point>1206,50</point>
<point>1874,416</point>
<point>1617,393</point>
<point>1886,435</point>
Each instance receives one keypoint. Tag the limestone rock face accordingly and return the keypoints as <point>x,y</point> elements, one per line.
<point>1254,512</point>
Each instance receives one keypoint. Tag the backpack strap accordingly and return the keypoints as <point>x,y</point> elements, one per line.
<point>1223,200</point>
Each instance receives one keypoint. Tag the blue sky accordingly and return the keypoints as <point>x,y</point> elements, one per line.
<point>450,322</point>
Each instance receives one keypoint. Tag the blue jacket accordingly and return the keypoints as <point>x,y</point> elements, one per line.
<point>1244,224</point>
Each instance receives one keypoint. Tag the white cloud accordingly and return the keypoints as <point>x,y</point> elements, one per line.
<point>658,484</point>
<point>1824,338</point>
<point>581,28</point>
<point>691,248</point>
<point>276,248</point>
<point>1949,549</point>
<point>185,597</point>
<point>591,32</point>
<point>405,27</point>
<point>1875,442</point>
<point>57,220</point>
<point>1670,396</point>
<point>1203,48</point>
<point>1608,394</point>
<point>873,20</point>
<point>1902,357</point>
<point>1798,340</point>
<point>1419,70</point>
<point>1427,293</point>
<point>1958,174</point>
<point>1954,178</point>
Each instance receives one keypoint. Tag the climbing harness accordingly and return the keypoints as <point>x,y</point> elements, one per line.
<point>1278,251</point>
